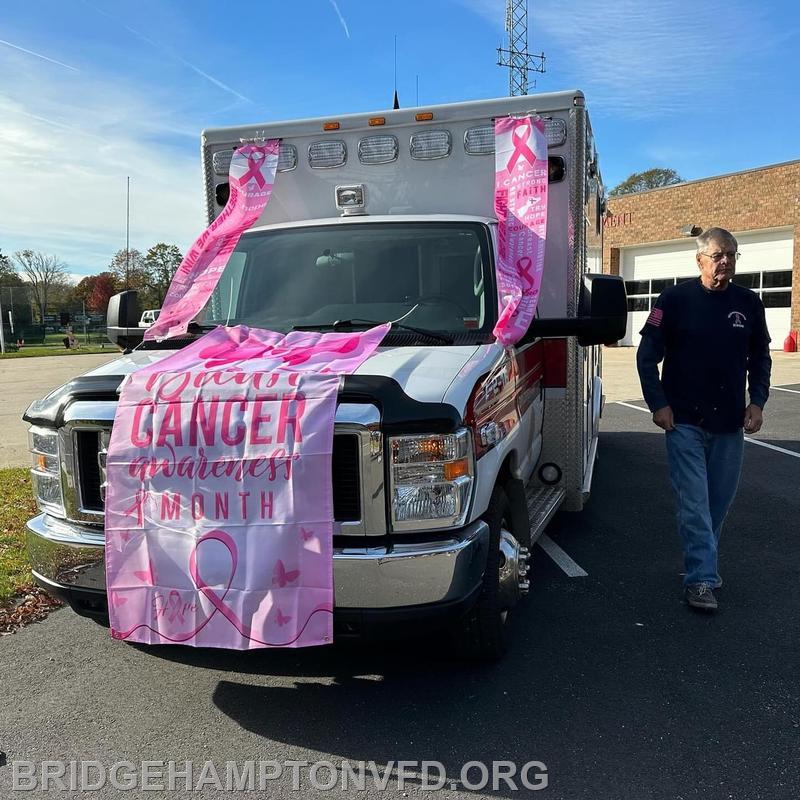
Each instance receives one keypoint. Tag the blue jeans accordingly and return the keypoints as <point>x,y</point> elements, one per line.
<point>704,469</point>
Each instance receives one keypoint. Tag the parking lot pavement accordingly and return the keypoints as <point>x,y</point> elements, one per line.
<point>24,380</point>
<point>612,681</point>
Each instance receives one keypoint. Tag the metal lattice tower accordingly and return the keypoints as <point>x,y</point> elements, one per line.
<point>517,58</point>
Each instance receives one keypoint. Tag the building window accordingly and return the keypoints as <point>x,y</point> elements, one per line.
<point>776,299</point>
<point>637,287</point>
<point>750,280</point>
<point>657,285</point>
<point>776,279</point>
<point>638,304</point>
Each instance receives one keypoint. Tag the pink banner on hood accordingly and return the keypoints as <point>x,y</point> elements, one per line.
<point>219,506</point>
<point>251,178</point>
<point>520,202</point>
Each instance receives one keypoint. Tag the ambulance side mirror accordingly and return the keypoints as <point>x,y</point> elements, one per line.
<point>122,319</point>
<point>602,314</point>
<point>602,309</point>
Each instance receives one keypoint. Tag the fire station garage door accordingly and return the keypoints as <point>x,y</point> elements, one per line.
<point>765,267</point>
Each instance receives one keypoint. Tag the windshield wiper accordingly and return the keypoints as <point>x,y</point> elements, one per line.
<point>353,324</point>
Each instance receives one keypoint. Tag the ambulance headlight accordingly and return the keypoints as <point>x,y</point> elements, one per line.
<point>45,470</point>
<point>222,161</point>
<point>287,159</point>
<point>431,480</point>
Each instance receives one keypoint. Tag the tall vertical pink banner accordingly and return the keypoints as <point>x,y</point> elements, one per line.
<point>520,202</point>
<point>251,178</point>
<point>219,507</point>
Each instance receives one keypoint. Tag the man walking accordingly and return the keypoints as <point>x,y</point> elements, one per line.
<point>711,335</point>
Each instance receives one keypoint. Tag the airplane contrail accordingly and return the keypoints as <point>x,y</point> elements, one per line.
<point>38,55</point>
<point>341,18</point>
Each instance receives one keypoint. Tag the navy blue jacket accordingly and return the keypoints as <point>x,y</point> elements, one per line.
<point>710,343</point>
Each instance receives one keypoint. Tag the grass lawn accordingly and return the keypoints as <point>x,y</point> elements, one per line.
<point>52,350</point>
<point>17,506</point>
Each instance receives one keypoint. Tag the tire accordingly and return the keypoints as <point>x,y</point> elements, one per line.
<point>481,634</point>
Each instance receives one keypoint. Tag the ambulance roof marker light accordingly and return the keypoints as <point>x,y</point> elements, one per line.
<point>424,116</point>
<point>331,126</point>
<point>375,121</point>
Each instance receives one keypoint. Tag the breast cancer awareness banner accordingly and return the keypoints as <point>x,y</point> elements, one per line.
<point>251,178</point>
<point>219,505</point>
<point>520,203</point>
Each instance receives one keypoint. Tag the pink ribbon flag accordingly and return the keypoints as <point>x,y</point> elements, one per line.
<point>219,507</point>
<point>520,203</point>
<point>251,178</point>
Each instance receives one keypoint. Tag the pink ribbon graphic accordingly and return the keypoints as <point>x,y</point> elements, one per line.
<point>520,187</point>
<point>251,178</point>
<point>520,142</point>
<point>255,160</point>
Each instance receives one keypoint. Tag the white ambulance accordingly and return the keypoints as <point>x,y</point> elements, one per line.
<point>451,454</point>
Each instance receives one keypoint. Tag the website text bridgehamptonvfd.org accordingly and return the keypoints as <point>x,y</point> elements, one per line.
<point>237,776</point>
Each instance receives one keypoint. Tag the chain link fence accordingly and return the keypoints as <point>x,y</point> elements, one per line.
<point>65,324</point>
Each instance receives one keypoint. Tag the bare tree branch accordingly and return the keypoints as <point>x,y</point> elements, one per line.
<point>43,273</point>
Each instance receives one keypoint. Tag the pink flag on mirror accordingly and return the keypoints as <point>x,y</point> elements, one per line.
<point>219,506</point>
<point>520,202</point>
<point>251,178</point>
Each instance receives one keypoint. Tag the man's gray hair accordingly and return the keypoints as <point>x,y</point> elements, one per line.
<point>715,234</point>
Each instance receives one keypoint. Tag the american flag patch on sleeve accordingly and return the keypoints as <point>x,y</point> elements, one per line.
<point>656,315</point>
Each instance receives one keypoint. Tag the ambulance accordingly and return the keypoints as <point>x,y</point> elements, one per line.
<point>451,453</point>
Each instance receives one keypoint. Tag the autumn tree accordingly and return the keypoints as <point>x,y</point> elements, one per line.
<point>8,275</point>
<point>104,286</point>
<point>45,275</point>
<point>649,179</point>
<point>129,270</point>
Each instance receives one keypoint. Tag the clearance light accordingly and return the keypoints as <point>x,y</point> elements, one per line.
<point>374,121</point>
<point>378,149</point>
<point>222,161</point>
<point>479,141</point>
<point>287,160</point>
<point>428,145</point>
<point>424,116</point>
<point>327,154</point>
<point>330,126</point>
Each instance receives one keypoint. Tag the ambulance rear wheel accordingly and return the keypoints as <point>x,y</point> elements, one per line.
<point>482,633</point>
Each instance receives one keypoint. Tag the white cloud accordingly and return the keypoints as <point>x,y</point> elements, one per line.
<point>642,60</point>
<point>67,144</point>
<point>341,18</point>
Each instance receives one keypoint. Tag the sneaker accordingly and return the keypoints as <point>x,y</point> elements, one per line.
<point>700,595</point>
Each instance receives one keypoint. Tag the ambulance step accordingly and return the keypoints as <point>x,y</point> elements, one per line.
<point>543,502</point>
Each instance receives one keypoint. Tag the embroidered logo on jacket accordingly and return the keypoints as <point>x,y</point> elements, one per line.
<point>737,319</point>
<point>656,315</point>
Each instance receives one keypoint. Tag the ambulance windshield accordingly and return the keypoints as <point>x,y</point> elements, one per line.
<point>431,275</point>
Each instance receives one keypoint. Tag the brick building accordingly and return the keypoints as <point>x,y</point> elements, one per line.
<point>649,239</point>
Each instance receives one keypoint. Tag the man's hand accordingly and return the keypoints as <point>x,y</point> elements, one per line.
<point>663,418</point>
<point>753,419</point>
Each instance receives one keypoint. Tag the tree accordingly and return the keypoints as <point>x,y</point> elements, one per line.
<point>649,179</point>
<point>104,286</point>
<point>162,262</point>
<point>130,272</point>
<point>44,274</point>
<point>8,275</point>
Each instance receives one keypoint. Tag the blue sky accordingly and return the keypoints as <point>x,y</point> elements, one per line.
<point>94,90</point>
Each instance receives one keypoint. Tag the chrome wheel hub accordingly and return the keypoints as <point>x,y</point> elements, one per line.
<point>513,569</point>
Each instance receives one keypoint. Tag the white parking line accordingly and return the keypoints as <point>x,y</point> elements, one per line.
<point>746,438</point>
<point>781,389</point>
<point>572,569</point>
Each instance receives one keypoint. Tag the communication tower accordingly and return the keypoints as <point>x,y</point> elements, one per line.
<point>516,57</point>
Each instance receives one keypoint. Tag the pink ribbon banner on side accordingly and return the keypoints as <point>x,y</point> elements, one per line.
<point>219,506</point>
<point>251,178</point>
<point>520,203</point>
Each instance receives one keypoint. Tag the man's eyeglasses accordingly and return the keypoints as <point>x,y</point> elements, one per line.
<point>717,257</point>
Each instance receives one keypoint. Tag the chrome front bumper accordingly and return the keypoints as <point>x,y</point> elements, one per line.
<point>69,558</point>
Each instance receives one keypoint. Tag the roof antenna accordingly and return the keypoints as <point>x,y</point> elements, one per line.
<point>396,104</point>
